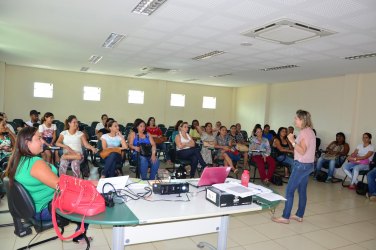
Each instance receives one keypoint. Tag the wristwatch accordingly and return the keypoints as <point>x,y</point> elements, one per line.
<point>294,144</point>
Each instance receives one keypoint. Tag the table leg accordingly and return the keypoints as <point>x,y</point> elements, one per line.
<point>222,234</point>
<point>117,238</point>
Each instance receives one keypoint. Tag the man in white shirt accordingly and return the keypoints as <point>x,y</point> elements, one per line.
<point>34,118</point>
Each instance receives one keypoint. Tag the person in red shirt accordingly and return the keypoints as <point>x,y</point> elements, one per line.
<point>156,132</point>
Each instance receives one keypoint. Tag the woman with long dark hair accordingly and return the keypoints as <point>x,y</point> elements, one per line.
<point>38,177</point>
<point>304,157</point>
<point>71,141</point>
<point>283,150</point>
<point>140,138</point>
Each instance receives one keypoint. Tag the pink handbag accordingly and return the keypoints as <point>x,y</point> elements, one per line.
<point>79,196</point>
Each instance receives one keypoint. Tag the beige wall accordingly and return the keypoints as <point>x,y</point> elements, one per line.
<point>68,94</point>
<point>343,103</point>
<point>2,85</point>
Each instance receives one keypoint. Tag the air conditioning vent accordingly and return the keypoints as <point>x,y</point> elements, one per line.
<point>141,74</point>
<point>190,80</point>
<point>223,75</point>
<point>287,32</point>
<point>84,69</point>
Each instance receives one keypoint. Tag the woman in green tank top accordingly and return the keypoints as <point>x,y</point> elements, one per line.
<point>36,176</point>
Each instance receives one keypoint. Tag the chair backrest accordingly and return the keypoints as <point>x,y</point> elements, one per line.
<point>20,203</point>
<point>244,134</point>
<point>161,125</point>
<point>18,122</point>
<point>94,124</point>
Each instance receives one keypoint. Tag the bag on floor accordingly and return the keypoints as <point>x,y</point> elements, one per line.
<point>79,196</point>
<point>361,188</point>
<point>277,180</point>
<point>321,176</point>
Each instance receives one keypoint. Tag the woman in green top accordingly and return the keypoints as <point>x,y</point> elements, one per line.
<point>36,176</point>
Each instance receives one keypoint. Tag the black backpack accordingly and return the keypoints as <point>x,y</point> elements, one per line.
<point>277,180</point>
<point>321,176</point>
<point>361,188</point>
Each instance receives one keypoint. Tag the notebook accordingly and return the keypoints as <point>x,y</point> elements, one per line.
<point>211,175</point>
<point>117,183</point>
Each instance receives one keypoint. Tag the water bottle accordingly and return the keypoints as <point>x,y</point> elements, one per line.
<point>245,178</point>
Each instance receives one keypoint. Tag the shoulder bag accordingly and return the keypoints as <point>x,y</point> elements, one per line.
<point>106,152</point>
<point>145,148</point>
<point>79,196</point>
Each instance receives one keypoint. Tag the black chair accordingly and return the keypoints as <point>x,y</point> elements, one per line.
<point>94,124</point>
<point>19,122</point>
<point>181,163</point>
<point>244,134</point>
<point>21,207</point>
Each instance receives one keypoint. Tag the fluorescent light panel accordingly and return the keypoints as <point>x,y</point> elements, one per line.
<point>147,7</point>
<point>281,67</point>
<point>94,59</point>
<point>209,55</point>
<point>112,40</point>
<point>361,56</point>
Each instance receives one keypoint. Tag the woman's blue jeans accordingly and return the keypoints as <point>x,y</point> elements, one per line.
<point>110,164</point>
<point>371,180</point>
<point>298,180</point>
<point>332,165</point>
<point>286,159</point>
<point>144,165</point>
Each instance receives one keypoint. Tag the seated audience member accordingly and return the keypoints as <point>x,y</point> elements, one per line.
<point>359,160</point>
<point>113,139</point>
<point>262,156</point>
<point>257,125</point>
<point>241,138</point>
<point>186,149</point>
<point>48,131</point>
<point>105,130</point>
<point>38,177</point>
<point>218,125</point>
<point>176,130</point>
<point>284,151</point>
<point>101,125</point>
<point>371,180</point>
<point>34,118</point>
<point>291,131</point>
<point>266,133</point>
<point>7,141</point>
<point>237,138</point>
<point>71,140</point>
<point>335,150</point>
<point>226,150</point>
<point>207,136</point>
<point>137,139</point>
<point>156,132</point>
<point>5,117</point>
<point>193,133</point>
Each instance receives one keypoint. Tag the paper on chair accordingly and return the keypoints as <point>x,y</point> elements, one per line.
<point>272,197</point>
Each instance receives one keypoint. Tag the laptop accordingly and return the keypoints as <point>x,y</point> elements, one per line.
<point>211,175</point>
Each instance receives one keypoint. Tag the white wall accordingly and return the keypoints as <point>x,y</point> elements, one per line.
<point>343,103</point>
<point>68,94</point>
<point>2,85</point>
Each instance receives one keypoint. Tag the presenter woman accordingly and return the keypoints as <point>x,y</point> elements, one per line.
<point>304,156</point>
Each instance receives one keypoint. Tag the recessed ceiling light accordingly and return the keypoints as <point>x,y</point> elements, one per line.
<point>208,55</point>
<point>84,69</point>
<point>94,59</point>
<point>112,40</point>
<point>281,67</point>
<point>147,7</point>
<point>361,56</point>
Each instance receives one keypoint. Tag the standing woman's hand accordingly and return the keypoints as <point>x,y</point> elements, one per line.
<point>291,138</point>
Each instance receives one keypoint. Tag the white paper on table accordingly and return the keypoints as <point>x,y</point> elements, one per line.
<point>272,197</point>
<point>236,189</point>
<point>260,189</point>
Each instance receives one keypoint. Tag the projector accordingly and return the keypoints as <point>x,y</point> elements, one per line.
<point>170,188</point>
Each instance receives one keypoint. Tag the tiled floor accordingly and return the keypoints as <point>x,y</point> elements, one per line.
<point>336,218</point>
